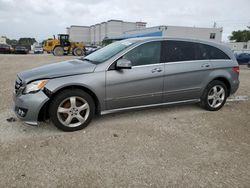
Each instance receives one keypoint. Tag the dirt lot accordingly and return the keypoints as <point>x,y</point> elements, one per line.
<point>179,146</point>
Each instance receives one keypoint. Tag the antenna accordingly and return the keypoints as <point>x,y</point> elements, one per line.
<point>215,24</point>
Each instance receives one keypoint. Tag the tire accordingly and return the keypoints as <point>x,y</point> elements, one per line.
<point>78,52</point>
<point>58,51</point>
<point>214,96</point>
<point>72,110</point>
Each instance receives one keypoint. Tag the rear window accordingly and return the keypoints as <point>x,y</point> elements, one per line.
<point>189,51</point>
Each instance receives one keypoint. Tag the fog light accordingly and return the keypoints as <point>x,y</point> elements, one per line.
<point>22,112</point>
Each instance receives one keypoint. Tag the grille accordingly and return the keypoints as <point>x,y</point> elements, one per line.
<point>18,84</point>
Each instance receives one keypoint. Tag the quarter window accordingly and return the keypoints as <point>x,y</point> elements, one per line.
<point>215,53</point>
<point>145,54</point>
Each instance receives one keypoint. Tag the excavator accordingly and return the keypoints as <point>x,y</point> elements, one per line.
<point>62,46</point>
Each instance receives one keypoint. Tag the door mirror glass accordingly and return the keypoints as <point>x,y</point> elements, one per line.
<point>123,64</point>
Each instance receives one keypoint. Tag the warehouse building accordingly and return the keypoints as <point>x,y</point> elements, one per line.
<point>113,30</point>
<point>79,33</point>
<point>214,34</point>
<point>2,40</point>
<point>239,47</point>
<point>95,34</point>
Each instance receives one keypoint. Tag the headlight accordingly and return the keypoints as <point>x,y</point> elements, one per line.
<point>35,86</point>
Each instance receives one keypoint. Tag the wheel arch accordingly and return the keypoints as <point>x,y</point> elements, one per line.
<point>55,47</point>
<point>224,80</point>
<point>43,113</point>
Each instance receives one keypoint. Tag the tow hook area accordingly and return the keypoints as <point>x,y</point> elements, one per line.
<point>21,111</point>
<point>47,92</point>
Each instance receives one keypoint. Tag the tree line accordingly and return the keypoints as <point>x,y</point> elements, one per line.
<point>240,36</point>
<point>22,41</point>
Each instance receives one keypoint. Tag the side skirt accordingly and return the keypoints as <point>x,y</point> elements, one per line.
<point>147,106</point>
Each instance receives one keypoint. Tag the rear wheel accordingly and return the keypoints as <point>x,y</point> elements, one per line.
<point>78,52</point>
<point>72,110</point>
<point>58,51</point>
<point>214,96</point>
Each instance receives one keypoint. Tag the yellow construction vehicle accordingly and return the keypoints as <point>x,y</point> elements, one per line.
<point>62,46</point>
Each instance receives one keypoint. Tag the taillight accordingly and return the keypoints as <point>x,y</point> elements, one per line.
<point>236,70</point>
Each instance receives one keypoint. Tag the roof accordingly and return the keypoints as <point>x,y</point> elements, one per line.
<point>144,39</point>
<point>146,34</point>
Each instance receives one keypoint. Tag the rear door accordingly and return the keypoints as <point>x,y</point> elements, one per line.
<point>141,85</point>
<point>186,67</point>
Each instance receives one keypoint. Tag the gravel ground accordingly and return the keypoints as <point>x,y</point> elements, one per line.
<point>178,146</point>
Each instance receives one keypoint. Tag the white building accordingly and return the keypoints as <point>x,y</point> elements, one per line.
<point>95,34</point>
<point>2,40</point>
<point>214,34</point>
<point>239,47</point>
<point>79,33</point>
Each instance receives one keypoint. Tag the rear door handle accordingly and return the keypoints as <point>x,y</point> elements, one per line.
<point>156,70</point>
<point>207,65</point>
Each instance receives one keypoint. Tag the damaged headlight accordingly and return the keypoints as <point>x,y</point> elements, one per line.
<point>35,86</point>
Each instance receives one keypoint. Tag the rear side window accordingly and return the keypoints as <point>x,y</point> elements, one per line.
<point>145,54</point>
<point>175,51</point>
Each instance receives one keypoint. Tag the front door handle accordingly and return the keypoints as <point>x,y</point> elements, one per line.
<point>156,70</point>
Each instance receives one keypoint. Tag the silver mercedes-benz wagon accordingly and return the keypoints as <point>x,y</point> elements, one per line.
<point>128,74</point>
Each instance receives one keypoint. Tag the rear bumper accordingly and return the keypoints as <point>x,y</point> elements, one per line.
<point>27,107</point>
<point>235,86</point>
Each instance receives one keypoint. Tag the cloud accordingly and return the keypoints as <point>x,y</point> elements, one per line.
<point>43,18</point>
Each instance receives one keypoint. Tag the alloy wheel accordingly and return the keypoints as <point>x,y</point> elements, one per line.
<point>216,96</point>
<point>73,111</point>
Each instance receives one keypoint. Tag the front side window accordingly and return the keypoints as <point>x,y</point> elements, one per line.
<point>145,54</point>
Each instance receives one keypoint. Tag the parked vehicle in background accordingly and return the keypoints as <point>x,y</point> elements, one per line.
<point>243,58</point>
<point>128,74</point>
<point>6,49</point>
<point>90,50</point>
<point>38,50</point>
<point>21,50</point>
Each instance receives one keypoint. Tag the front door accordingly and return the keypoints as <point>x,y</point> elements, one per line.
<point>140,85</point>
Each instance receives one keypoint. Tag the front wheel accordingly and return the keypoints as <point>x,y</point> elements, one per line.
<point>72,110</point>
<point>214,96</point>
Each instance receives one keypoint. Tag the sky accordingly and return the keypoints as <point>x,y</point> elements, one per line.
<point>42,19</point>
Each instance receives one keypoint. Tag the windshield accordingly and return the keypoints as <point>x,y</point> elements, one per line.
<point>107,52</point>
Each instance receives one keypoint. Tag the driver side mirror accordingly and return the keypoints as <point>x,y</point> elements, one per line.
<point>123,64</point>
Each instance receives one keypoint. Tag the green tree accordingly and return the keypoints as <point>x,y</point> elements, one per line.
<point>11,41</point>
<point>240,36</point>
<point>26,41</point>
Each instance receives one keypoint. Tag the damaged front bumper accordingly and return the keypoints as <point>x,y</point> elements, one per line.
<point>28,106</point>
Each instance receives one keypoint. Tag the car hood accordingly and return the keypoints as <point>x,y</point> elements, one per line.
<point>65,68</point>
